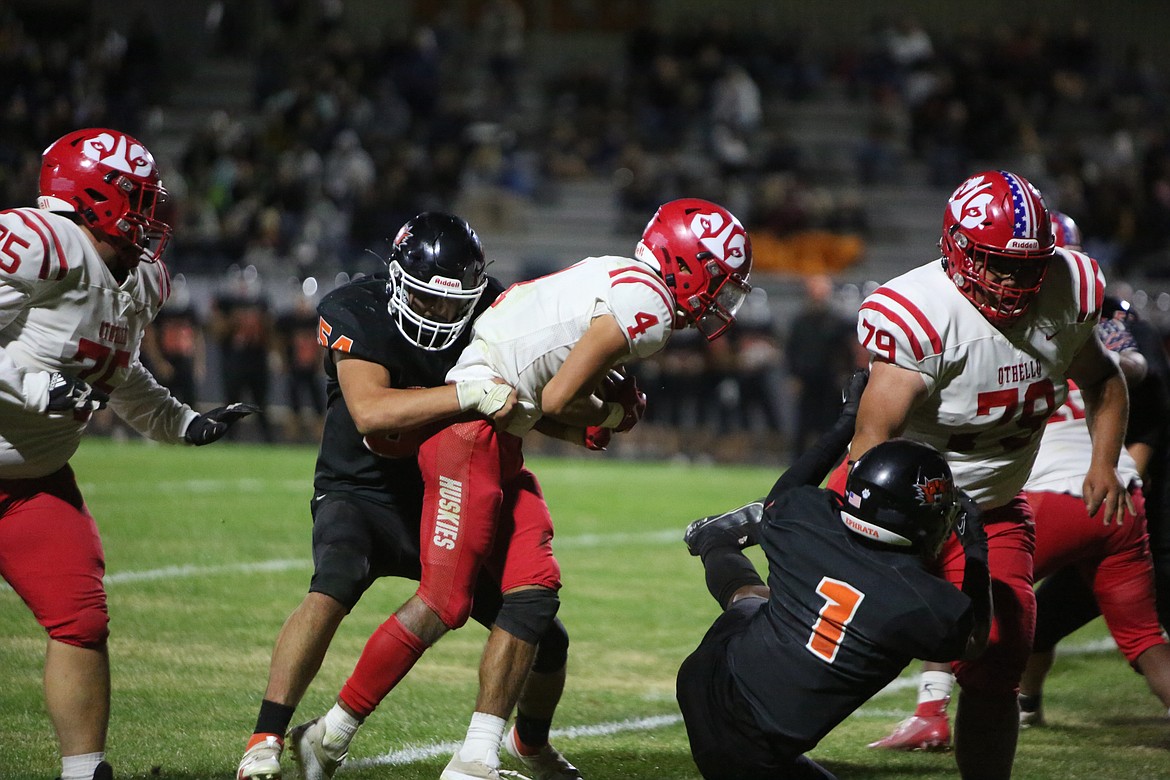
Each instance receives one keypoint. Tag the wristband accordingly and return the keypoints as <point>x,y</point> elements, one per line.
<point>617,413</point>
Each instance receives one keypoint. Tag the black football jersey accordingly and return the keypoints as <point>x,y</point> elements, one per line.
<point>844,618</point>
<point>355,319</point>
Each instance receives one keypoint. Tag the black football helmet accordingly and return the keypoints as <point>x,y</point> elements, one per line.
<point>437,273</point>
<point>902,493</point>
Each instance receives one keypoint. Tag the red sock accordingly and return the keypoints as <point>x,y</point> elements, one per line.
<point>388,655</point>
<point>258,738</point>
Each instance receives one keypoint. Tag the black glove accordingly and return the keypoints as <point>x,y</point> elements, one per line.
<point>851,394</point>
<point>211,426</point>
<point>68,394</point>
<point>969,528</point>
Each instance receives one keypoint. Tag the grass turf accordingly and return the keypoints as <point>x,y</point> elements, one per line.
<point>208,551</point>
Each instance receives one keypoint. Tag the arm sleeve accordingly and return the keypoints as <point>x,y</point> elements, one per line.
<point>814,465</point>
<point>150,408</point>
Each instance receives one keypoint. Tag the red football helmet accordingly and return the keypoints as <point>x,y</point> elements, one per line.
<point>996,243</point>
<point>110,180</point>
<point>704,255</point>
<point>1065,230</point>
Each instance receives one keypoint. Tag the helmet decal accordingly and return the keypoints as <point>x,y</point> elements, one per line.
<point>403,234</point>
<point>969,203</point>
<point>121,153</point>
<point>720,237</point>
<point>1026,224</point>
<point>932,490</point>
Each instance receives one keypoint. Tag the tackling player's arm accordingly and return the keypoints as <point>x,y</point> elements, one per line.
<point>1106,410</point>
<point>376,406</point>
<point>889,398</point>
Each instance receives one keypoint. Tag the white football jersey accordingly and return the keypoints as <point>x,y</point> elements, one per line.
<point>991,391</point>
<point>526,334</point>
<point>1066,451</point>
<point>62,310</point>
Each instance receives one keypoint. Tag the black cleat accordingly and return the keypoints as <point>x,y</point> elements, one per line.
<point>738,528</point>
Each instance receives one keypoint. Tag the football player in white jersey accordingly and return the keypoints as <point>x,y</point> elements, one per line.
<point>972,354</point>
<point>80,278</point>
<point>556,340</point>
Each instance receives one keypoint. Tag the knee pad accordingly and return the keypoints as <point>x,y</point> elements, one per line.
<point>527,614</point>
<point>453,611</point>
<point>88,627</point>
<point>341,570</point>
<point>553,651</point>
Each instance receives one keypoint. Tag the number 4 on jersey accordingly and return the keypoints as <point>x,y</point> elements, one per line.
<point>642,323</point>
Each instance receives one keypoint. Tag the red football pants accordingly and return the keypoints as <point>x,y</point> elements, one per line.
<point>481,508</point>
<point>51,555</point>
<point>1113,559</point>
<point>1011,543</point>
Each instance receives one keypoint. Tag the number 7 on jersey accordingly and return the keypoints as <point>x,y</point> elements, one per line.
<point>841,603</point>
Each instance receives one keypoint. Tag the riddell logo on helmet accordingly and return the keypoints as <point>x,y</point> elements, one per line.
<point>931,490</point>
<point>118,153</point>
<point>1023,243</point>
<point>442,281</point>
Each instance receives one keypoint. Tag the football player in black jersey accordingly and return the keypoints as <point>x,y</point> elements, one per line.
<point>390,340</point>
<point>851,599</point>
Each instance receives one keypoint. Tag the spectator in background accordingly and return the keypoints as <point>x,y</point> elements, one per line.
<point>173,347</point>
<point>241,325</point>
<point>820,357</point>
<point>302,360</point>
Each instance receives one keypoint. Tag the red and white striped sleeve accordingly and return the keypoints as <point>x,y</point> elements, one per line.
<point>896,329</point>
<point>643,308</point>
<point>1088,283</point>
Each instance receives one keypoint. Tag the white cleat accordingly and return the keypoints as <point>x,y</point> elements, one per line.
<point>318,761</point>
<point>261,761</point>
<point>458,769</point>
<point>548,764</point>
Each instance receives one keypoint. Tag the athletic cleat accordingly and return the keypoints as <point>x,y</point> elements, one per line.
<point>261,761</point>
<point>738,528</point>
<point>458,769</point>
<point>103,772</point>
<point>318,761</point>
<point>1030,718</point>
<point>926,729</point>
<point>548,764</point>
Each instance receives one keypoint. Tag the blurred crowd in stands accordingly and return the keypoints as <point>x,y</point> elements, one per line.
<point>342,141</point>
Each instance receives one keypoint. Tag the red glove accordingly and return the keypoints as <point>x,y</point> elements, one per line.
<point>622,389</point>
<point>597,438</point>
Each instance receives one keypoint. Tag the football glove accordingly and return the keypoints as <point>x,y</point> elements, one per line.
<point>212,425</point>
<point>851,395</point>
<point>969,528</point>
<point>622,390</point>
<point>69,394</point>
<point>597,438</point>
<point>485,396</point>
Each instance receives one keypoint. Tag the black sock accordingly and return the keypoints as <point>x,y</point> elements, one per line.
<point>728,570</point>
<point>274,718</point>
<point>1029,703</point>
<point>533,732</point>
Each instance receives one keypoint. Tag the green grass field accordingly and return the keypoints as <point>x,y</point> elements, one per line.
<point>208,551</point>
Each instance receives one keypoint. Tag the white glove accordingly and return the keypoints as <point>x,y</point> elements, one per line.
<point>483,395</point>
